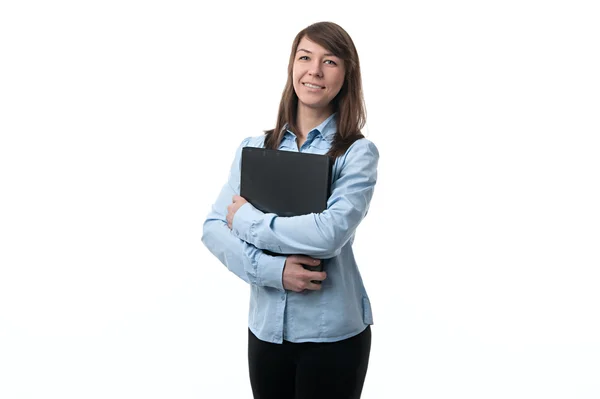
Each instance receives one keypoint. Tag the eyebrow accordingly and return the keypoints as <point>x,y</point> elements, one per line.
<point>310,52</point>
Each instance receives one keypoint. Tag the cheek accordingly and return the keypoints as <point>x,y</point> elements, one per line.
<point>339,82</point>
<point>295,84</point>
<point>295,77</point>
<point>296,72</point>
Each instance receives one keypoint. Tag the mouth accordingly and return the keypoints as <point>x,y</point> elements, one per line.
<point>312,86</point>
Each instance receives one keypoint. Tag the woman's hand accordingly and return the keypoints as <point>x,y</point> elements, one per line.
<point>233,208</point>
<point>297,278</point>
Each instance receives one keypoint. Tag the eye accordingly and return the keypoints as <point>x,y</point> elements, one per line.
<point>304,57</point>
<point>330,62</point>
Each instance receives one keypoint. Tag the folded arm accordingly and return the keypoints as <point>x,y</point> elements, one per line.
<point>243,259</point>
<point>320,235</point>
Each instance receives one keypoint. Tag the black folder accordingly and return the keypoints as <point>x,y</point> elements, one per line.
<point>286,183</point>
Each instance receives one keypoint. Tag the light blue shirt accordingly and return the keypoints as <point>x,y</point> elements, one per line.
<point>341,309</point>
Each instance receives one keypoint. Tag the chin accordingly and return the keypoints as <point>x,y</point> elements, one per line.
<point>311,104</point>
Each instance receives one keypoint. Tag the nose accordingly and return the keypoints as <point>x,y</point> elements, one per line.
<point>316,69</point>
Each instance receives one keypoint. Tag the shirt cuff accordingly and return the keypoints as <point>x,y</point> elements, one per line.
<point>243,221</point>
<point>271,271</point>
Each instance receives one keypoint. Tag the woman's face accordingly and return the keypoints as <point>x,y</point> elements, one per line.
<point>317,74</point>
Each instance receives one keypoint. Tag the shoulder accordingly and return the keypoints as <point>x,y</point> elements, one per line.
<point>360,159</point>
<point>361,150</point>
<point>253,141</point>
<point>364,144</point>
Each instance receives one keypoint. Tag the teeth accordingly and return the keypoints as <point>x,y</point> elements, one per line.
<point>312,86</point>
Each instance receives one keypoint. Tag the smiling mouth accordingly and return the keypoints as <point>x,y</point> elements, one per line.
<point>311,86</point>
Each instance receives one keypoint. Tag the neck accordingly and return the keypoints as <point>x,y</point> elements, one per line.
<point>308,118</point>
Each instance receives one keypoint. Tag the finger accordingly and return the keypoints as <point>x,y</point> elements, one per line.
<point>319,276</point>
<point>313,287</point>
<point>307,260</point>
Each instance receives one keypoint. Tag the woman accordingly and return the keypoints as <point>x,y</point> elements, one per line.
<point>306,340</point>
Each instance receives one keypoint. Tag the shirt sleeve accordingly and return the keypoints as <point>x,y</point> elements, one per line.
<point>320,235</point>
<point>243,259</point>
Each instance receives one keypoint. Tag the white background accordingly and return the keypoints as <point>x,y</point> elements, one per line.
<point>119,121</point>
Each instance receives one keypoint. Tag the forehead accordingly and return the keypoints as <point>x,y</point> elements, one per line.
<point>315,48</point>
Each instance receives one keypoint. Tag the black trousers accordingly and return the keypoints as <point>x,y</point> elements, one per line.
<point>309,370</point>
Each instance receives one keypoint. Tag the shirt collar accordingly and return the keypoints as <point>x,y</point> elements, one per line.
<point>326,129</point>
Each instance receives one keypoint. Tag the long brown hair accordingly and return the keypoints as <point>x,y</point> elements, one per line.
<point>349,103</point>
